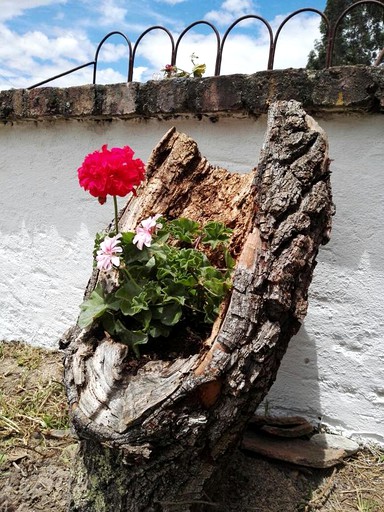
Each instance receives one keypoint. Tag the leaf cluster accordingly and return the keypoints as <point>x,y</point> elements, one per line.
<point>171,281</point>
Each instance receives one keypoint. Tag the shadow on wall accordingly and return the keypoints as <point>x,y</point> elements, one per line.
<point>297,387</point>
<point>330,371</point>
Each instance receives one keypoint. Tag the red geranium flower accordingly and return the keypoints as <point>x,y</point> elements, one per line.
<point>111,172</point>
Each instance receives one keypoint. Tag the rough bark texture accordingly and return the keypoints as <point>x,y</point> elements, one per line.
<point>153,441</point>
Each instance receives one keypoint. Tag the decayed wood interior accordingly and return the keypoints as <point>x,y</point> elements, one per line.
<point>182,183</point>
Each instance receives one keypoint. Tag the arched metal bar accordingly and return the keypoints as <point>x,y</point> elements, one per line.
<point>200,22</point>
<point>155,27</point>
<point>330,37</point>
<point>295,13</point>
<point>101,44</point>
<point>331,41</point>
<point>92,63</point>
<point>248,16</point>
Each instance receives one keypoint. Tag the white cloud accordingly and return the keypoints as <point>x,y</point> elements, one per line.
<point>113,52</point>
<point>37,45</point>
<point>171,2</point>
<point>12,8</point>
<point>296,40</point>
<point>140,73</point>
<point>245,54</point>
<point>109,76</point>
<point>230,10</point>
<point>32,57</point>
<point>111,14</point>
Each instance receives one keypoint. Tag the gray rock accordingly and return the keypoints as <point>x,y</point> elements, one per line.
<point>335,441</point>
<point>295,451</point>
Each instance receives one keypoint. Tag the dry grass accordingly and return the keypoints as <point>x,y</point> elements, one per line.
<point>361,487</point>
<point>32,400</point>
<point>356,486</point>
<point>33,411</point>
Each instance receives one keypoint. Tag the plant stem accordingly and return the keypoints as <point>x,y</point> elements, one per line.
<point>116,215</point>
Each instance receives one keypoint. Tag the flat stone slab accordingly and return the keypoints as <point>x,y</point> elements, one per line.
<point>337,442</point>
<point>282,426</point>
<point>295,451</point>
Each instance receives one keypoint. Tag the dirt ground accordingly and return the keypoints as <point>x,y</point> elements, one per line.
<point>37,451</point>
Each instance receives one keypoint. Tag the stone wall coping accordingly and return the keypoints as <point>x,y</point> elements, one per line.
<point>338,89</point>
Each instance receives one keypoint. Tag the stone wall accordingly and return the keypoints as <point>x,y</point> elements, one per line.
<point>341,89</point>
<point>332,372</point>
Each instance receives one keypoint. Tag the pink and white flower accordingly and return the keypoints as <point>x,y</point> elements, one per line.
<point>108,253</point>
<point>145,231</point>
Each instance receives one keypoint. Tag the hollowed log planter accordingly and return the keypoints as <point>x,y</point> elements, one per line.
<point>154,440</point>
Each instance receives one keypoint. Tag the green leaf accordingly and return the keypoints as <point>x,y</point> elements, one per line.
<point>137,304</point>
<point>130,251</point>
<point>211,311</point>
<point>157,329</point>
<point>131,338</point>
<point>109,322</point>
<point>95,307</point>
<point>185,230</point>
<point>137,272</point>
<point>127,237</point>
<point>169,314</point>
<point>191,259</point>
<point>188,281</point>
<point>216,233</point>
<point>199,70</point>
<point>215,287</point>
<point>175,292</point>
<point>161,237</point>
<point>128,291</point>
<point>144,318</point>
<point>207,273</point>
<point>166,273</point>
<point>151,262</point>
<point>153,291</point>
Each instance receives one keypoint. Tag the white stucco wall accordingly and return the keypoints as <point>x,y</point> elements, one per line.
<point>333,370</point>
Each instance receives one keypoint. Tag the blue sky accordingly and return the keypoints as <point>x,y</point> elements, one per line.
<point>42,38</point>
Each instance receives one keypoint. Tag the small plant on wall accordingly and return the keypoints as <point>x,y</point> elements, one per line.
<point>197,71</point>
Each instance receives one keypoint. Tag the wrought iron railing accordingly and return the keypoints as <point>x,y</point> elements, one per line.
<point>331,32</point>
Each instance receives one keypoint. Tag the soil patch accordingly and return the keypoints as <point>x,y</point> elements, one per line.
<point>37,451</point>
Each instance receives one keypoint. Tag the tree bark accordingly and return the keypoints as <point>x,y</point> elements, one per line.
<point>153,441</point>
